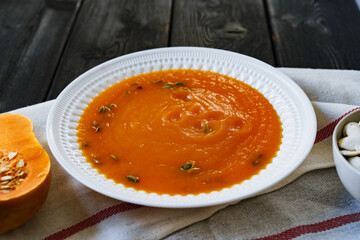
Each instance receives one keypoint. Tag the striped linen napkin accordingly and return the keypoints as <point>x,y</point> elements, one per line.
<point>73,211</point>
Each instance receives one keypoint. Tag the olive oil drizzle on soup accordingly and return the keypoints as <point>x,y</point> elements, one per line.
<point>179,132</point>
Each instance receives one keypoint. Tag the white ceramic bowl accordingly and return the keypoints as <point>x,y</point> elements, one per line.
<point>349,176</point>
<point>290,102</point>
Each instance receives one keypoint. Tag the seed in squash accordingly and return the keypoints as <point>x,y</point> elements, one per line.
<point>22,158</point>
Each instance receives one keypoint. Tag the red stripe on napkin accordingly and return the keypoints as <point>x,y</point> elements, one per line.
<point>327,131</point>
<point>94,219</point>
<point>314,228</point>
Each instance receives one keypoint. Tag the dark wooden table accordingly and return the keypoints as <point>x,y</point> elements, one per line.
<point>45,44</point>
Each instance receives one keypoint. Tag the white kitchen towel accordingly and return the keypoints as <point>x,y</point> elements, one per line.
<point>74,211</point>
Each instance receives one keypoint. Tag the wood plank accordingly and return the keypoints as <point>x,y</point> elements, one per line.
<point>32,36</point>
<point>316,34</point>
<point>239,26</point>
<point>108,29</point>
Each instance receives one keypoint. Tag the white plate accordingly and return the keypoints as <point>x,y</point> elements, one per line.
<point>294,108</point>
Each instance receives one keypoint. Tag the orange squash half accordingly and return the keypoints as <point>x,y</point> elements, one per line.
<point>24,171</point>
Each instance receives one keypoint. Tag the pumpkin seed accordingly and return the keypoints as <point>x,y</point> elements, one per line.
<point>4,170</point>
<point>207,129</point>
<point>6,178</point>
<point>20,163</point>
<point>12,155</point>
<point>96,126</point>
<point>187,166</point>
<point>256,162</point>
<point>180,83</point>
<point>167,86</point>
<point>132,178</point>
<point>104,109</point>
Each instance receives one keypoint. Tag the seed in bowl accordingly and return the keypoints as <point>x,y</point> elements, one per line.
<point>350,143</point>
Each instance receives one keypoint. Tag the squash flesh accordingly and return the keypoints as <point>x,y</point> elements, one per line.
<point>20,204</point>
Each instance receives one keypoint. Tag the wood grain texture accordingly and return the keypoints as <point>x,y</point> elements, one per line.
<point>316,33</point>
<point>32,36</point>
<point>110,28</point>
<point>238,26</point>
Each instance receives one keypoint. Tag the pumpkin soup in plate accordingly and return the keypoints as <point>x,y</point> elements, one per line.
<point>179,131</point>
<point>181,127</point>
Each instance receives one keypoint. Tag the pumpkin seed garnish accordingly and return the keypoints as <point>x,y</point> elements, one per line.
<point>126,92</point>
<point>207,129</point>
<point>168,86</point>
<point>257,160</point>
<point>96,126</point>
<point>187,166</point>
<point>157,81</point>
<point>112,105</point>
<point>113,157</point>
<point>180,84</point>
<point>104,109</point>
<point>132,178</point>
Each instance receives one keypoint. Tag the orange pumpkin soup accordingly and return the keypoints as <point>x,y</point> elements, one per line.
<point>179,132</point>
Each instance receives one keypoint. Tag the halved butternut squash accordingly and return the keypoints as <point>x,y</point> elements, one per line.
<point>24,171</point>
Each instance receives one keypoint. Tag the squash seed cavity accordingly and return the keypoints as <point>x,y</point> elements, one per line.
<point>12,171</point>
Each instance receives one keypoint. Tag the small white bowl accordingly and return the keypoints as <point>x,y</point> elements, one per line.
<point>349,176</point>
